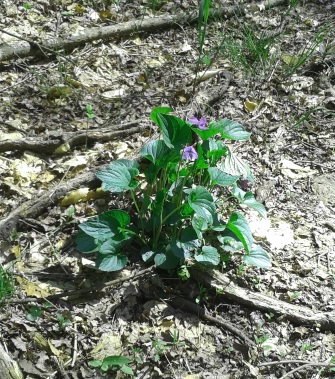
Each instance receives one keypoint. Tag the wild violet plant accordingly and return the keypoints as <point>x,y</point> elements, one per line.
<point>178,213</point>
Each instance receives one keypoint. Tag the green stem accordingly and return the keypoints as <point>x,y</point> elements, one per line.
<point>136,235</point>
<point>171,213</point>
<point>138,210</point>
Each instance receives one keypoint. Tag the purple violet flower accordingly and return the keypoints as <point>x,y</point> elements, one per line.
<point>201,124</point>
<point>189,153</point>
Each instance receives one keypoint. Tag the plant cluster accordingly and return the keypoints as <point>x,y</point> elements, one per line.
<point>177,194</point>
<point>6,284</point>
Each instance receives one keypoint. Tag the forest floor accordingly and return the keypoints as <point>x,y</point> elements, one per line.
<point>282,66</point>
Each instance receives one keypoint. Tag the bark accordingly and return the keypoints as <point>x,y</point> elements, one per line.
<point>27,48</point>
<point>48,145</point>
<point>295,313</point>
<point>35,207</point>
<point>9,369</point>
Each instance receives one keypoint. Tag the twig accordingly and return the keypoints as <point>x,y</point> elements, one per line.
<point>10,126</point>
<point>75,346</point>
<point>294,361</point>
<point>304,364</point>
<point>80,291</point>
<point>189,306</point>
<point>60,368</point>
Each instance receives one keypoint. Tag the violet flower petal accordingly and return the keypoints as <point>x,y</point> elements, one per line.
<point>201,124</point>
<point>189,153</point>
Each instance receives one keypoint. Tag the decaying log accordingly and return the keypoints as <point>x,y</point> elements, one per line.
<point>9,369</point>
<point>27,48</point>
<point>295,313</point>
<point>48,145</point>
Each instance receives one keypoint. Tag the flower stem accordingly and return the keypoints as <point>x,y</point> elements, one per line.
<point>138,210</point>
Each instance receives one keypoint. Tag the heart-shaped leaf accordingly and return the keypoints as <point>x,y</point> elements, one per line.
<point>201,201</point>
<point>106,225</point>
<point>166,261</point>
<point>158,110</point>
<point>221,178</point>
<point>85,243</point>
<point>110,262</point>
<point>239,226</point>
<point>199,225</point>
<point>209,256</point>
<point>188,242</point>
<point>175,132</point>
<point>251,202</point>
<point>119,175</point>
<point>230,130</point>
<point>154,150</point>
<point>257,257</point>
<point>233,165</point>
<point>229,241</point>
<point>248,199</point>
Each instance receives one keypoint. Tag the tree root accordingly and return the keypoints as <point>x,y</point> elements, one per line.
<point>297,314</point>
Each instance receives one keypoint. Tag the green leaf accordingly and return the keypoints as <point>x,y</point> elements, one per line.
<point>248,199</point>
<point>251,202</point>
<point>158,110</point>
<point>209,256</point>
<point>110,262</point>
<point>257,257</point>
<point>154,150</point>
<point>105,225</point>
<point>205,134</point>
<point>104,367</point>
<point>158,202</point>
<point>147,254</point>
<point>199,225</point>
<point>119,175</point>
<point>239,226</point>
<point>238,193</point>
<point>221,178</point>
<point>214,150</point>
<point>116,360</point>
<point>175,132</point>
<point>121,217</point>
<point>113,245</point>
<point>34,313</point>
<point>95,363</point>
<point>201,201</point>
<point>166,261</point>
<point>85,243</point>
<point>230,130</point>
<point>151,173</point>
<point>200,163</point>
<point>188,242</point>
<point>127,370</point>
<point>98,229</point>
<point>233,165</point>
<point>229,241</point>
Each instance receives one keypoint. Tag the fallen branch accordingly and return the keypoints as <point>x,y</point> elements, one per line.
<point>34,207</point>
<point>83,291</point>
<point>48,145</point>
<point>27,48</point>
<point>189,306</point>
<point>295,313</point>
<point>304,364</point>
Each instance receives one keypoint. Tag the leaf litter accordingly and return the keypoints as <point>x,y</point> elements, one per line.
<point>137,74</point>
